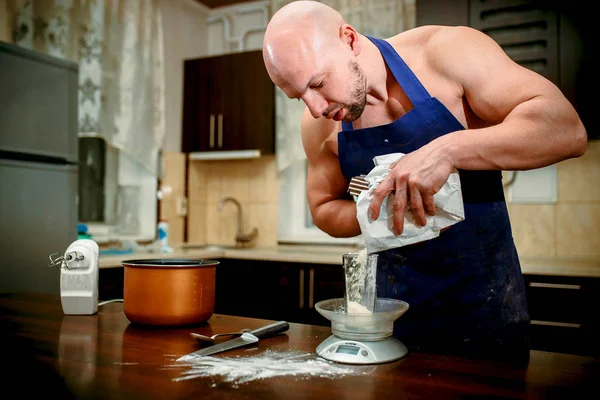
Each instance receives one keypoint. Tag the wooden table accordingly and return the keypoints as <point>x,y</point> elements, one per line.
<point>103,356</point>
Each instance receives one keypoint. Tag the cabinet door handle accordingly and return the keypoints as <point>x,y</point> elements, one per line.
<point>220,131</point>
<point>211,137</point>
<point>311,288</point>
<point>301,299</point>
<point>554,285</point>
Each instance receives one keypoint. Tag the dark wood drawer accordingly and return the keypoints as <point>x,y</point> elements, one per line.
<point>556,300</point>
<point>563,313</point>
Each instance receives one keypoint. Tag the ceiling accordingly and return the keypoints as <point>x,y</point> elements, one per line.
<point>220,3</point>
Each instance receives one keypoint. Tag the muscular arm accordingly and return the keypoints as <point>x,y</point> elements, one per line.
<point>534,124</point>
<point>326,186</point>
<point>516,120</point>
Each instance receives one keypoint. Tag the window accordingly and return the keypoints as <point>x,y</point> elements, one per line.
<point>117,196</point>
<point>295,221</point>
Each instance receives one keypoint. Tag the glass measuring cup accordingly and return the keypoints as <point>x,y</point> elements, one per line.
<point>360,294</point>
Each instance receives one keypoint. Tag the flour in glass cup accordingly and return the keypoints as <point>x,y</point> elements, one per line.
<point>360,284</point>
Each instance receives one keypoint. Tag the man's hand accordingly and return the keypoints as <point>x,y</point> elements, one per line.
<point>414,179</point>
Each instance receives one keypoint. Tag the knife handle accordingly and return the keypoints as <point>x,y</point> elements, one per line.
<point>271,329</point>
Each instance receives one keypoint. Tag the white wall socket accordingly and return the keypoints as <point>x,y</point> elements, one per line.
<point>181,205</point>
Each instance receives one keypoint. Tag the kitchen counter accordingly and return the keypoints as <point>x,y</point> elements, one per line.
<point>103,356</point>
<point>332,255</point>
<point>289,253</point>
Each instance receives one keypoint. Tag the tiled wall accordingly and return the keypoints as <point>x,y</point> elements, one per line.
<point>253,183</point>
<point>571,227</point>
<point>172,191</point>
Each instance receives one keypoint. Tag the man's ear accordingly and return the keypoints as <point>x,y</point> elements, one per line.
<point>350,37</point>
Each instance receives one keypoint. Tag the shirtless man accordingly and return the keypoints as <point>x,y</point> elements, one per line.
<point>451,100</point>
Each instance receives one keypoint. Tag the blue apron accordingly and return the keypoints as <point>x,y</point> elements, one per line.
<point>465,288</point>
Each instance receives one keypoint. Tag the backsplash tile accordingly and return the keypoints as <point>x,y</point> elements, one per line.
<point>534,229</point>
<point>578,230</point>
<point>579,178</point>
<point>197,224</point>
<point>254,183</point>
<point>172,188</point>
<point>168,212</point>
<point>264,217</point>
<point>569,228</point>
<point>173,180</point>
<point>222,225</point>
<point>197,181</point>
<point>264,183</point>
<point>228,178</point>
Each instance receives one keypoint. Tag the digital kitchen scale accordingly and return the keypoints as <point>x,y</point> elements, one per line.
<point>364,338</point>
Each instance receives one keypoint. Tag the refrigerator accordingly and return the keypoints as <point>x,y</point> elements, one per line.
<point>38,167</point>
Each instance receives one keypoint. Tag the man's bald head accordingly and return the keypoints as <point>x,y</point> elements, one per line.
<point>296,34</point>
<point>310,53</point>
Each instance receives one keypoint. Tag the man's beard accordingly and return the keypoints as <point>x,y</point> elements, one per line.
<point>358,95</point>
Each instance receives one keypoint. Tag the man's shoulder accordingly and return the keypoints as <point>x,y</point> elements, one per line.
<point>429,35</point>
<point>435,45</point>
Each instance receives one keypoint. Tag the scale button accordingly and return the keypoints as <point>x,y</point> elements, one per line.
<point>364,353</point>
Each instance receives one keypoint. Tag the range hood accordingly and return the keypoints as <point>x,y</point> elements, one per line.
<point>224,155</point>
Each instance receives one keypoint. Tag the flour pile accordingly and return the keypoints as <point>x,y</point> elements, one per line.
<point>269,364</point>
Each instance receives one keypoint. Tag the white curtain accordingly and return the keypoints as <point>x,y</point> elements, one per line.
<point>118,45</point>
<point>377,18</point>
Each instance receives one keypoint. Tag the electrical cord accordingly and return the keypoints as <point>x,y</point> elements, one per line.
<point>110,301</point>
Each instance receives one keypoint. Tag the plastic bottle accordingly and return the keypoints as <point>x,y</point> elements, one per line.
<point>163,236</point>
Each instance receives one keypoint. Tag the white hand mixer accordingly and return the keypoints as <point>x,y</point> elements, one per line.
<point>78,277</point>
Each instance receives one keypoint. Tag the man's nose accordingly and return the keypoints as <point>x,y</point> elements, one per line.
<point>316,105</point>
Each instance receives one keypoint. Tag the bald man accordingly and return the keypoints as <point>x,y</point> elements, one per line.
<point>451,100</point>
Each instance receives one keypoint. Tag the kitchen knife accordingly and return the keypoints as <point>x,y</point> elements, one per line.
<point>246,339</point>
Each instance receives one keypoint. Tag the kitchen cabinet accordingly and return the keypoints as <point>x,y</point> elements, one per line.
<point>552,38</point>
<point>562,309</point>
<point>563,312</point>
<point>228,104</point>
<point>276,290</point>
<point>110,283</point>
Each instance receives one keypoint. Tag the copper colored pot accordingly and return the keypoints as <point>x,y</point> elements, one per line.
<point>169,292</point>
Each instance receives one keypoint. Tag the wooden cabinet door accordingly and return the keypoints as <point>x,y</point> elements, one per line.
<point>324,282</point>
<point>258,289</point>
<point>217,72</point>
<point>229,104</point>
<point>200,96</point>
<point>248,107</point>
<point>256,105</point>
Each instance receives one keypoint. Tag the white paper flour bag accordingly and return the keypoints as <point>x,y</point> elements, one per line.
<point>378,235</point>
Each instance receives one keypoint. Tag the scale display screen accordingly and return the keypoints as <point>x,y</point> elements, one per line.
<point>347,349</point>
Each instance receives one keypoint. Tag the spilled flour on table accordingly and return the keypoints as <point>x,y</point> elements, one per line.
<point>269,364</point>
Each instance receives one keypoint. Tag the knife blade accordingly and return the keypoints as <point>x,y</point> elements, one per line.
<point>243,340</point>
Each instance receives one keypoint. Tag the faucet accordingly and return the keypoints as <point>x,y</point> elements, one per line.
<point>240,238</point>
